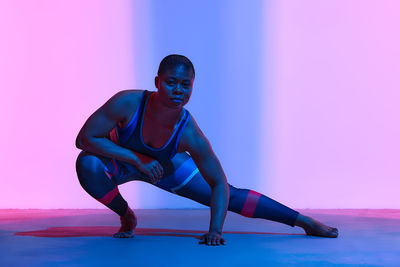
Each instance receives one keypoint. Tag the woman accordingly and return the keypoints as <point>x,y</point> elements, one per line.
<point>149,136</point>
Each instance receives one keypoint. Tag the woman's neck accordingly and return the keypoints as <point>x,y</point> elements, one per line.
<point>160,112</point>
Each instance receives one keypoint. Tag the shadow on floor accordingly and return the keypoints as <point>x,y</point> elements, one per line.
<point>80,231</point>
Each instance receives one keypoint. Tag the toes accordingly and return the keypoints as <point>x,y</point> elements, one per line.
<point>334,230</point>
<point>117,235</point>
<point>330,232</point>
<point>127,234</point>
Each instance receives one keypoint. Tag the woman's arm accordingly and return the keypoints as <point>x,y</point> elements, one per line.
<point>92,136</point>
<point>194,142</point>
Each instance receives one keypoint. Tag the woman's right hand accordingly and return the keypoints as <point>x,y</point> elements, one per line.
<point>149,166</point>
<point>153,170</point>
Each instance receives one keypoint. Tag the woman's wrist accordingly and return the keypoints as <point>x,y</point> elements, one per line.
<point>215,231</point>
<point>134,159</point>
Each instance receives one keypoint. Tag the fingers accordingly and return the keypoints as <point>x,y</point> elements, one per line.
<point>157,173</point>
<point>202,240</point>
<point>154,175</point>
<point>212,240</point>
<point>215,241</point>
<point>147,171</point>
<point>154,171</point>
<point>159,170</point>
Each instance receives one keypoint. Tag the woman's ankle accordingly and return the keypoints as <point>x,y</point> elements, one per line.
<point>301,221</point>
<point>128,212</point>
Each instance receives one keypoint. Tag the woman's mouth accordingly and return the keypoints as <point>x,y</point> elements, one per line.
<point>177,100</point>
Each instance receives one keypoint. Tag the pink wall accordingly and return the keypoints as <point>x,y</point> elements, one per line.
<point>325,92</point>
<point>60,60</point>
<point>334,104</point>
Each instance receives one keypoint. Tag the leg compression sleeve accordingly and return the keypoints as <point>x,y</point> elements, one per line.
<point>95,179</point>
<point>242,201</point>
<point>252,204</point>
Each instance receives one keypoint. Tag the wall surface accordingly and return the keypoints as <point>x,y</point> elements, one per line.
<point>333,103</point>
<point>299,100</point>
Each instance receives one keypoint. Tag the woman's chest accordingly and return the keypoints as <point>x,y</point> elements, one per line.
<point>156,134</point>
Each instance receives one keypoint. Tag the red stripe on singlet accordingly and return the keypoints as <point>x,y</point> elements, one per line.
<point>114,135</point>
<point>250,204</point>
<point>109,196</point>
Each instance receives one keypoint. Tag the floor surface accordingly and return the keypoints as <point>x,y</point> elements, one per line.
<point>170,238</point>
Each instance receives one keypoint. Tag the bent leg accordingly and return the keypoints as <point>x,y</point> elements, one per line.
<point>97,179</point>
<point>93,177</point>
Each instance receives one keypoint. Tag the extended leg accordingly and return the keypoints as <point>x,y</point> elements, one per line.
<point>246,202</point>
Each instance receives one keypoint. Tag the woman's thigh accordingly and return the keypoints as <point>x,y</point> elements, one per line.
<point>182,176</point>
<point>197,189</point>
<point>186,180</point>
<point>118,172</point>
<point>176,171</point>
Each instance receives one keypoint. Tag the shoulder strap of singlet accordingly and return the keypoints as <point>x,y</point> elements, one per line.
<point>135,116</point>
<point>125,133</point>
<point>146,94</point>
<point>180,131</point>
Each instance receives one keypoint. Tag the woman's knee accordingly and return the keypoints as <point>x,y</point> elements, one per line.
<point>232,190</point>
<point>87,164</point>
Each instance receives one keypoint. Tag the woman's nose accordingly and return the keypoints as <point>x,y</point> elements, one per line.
<point>178,89</point>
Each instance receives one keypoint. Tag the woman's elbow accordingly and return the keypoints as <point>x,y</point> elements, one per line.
<point>80,142</point>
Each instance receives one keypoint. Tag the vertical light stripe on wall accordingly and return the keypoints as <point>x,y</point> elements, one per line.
<point>335,98</point>
<point>241,86</point>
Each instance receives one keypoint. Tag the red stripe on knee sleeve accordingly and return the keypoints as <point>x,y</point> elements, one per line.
<point>115,170</point>
<point>250,204</point>
<point>109,196</point>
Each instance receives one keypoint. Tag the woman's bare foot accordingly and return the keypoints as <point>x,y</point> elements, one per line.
<point>128,225</point>
<point>315,228</point>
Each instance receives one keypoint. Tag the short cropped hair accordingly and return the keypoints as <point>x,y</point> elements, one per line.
<point>172,61</point>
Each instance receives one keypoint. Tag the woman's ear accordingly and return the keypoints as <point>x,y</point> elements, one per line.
<point>156,79</point>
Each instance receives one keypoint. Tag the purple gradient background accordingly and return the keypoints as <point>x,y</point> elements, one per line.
<point>299,99</point>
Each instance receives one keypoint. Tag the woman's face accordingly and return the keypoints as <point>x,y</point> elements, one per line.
<point>175,86</point>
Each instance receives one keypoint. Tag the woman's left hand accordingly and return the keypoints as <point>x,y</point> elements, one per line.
<point>212,239</point>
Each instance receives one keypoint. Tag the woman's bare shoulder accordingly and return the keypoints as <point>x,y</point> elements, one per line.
<point>129,99</point>
<point>192,136</point>
<point>130,94</point>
